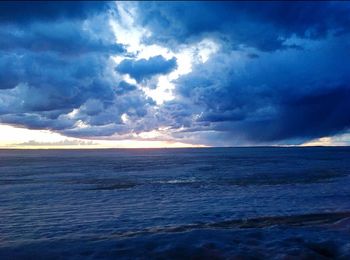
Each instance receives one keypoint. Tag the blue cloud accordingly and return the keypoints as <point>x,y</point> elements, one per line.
<point>124,87</point>
<point>289,95</point>
<point>56,60</point>
<point>24,12</point>
<point>66,38</point>
<point>145,69</point>
<point>264,26</point>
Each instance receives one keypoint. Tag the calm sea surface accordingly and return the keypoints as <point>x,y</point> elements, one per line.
<point>175,203</point>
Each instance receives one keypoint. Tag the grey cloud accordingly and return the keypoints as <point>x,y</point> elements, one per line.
<point>262,25</point>
<point>65,142</point>
<point>24,12</point>
<point>145,69</point>
<point>290,95</point>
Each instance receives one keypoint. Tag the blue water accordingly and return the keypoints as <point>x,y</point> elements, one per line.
<point>175,203</point>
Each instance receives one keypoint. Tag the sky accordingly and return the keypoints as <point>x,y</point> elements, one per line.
<point>174,74</point>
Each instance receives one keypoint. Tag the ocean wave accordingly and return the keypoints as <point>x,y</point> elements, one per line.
<point>256,180</point>
<point>313,219</point>
<point>177,181</point>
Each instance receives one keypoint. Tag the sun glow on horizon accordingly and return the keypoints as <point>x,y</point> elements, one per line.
<point>21,138</point>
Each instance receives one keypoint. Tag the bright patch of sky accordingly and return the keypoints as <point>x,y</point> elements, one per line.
<point>22,138</point>
<point>337,140</point>
<point>127,32</point>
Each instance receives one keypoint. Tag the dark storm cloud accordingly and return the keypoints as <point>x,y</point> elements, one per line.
<point>61,27</point>
<point>55,60</point>
<point>278,96</point>
<point>66,38</point>
<point>22,12</point>
<point>261,25</point>
<point>317,114</point>
<point>145,69</point>
<point>36,121</point>
<point>43,88</point>
<point>50,81</point>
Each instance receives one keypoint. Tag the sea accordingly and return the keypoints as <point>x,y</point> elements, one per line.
<point>186,203</point>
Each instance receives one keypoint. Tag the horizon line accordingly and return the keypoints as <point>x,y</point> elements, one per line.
<point>184,147</point>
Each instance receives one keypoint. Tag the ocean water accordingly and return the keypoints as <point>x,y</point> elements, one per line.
<point>205,203</point>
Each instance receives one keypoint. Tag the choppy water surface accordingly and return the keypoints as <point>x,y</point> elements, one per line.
<point>175,203</point>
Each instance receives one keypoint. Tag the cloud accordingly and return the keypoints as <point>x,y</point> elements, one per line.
<point>66,38</point>
<point>57,71</point>
<point>65,142</point>
<point>22,12</point>
<point>125,87</point>
<point>264,26</point>
<point>144,69</point>
<point>290,95</point>
<point>47,81</point>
